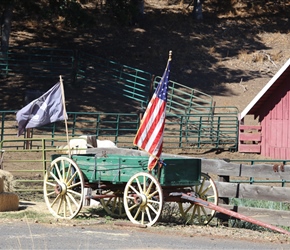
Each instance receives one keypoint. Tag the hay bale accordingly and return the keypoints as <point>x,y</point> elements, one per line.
<point>9,202</point>
<point>8,181</point>
<point>1,185</point>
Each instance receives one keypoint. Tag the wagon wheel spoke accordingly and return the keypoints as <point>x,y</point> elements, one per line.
<point>138,185</point>
<point>193,213</point>
<point>74,185</point>
<point>58,204</point>
<point>148,214</point>
<point>137,214</point>
<point>54,201</point>
<point>50,183</point>
<point>205,214</point>
<point>69,197</point>
<point>143,199</point>
<point>113,205</point>
<point>135,190</point>
<point>55,178</point>
<point>63,188</point>
<point>198,214</point>
<point>69,205</point>
<point>56,168</point>
<point>73,177</point>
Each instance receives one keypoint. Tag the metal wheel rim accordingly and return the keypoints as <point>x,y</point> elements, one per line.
<point>63,188</point>
<point>143,199</point>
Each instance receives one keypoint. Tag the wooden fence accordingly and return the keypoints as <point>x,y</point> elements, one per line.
<point>250,139</point>
<point>259,182</point>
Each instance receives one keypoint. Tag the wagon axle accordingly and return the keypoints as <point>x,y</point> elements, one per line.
<point>140,199</point>
<point>60,189</point>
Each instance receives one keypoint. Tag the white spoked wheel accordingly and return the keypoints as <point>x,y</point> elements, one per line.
<point>63,188</point>
<point>197,214</point>
<point>143,199</point>
<point>113,205</point>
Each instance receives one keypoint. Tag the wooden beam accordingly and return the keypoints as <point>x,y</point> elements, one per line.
<point>255,192</point>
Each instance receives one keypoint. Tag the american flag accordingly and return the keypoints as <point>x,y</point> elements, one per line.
<point>149,136</point>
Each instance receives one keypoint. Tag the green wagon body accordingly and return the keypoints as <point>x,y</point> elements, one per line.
<point>119,179</point>
<point>118,169</point>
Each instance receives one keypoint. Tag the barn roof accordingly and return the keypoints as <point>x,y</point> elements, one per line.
<point>268,90</point>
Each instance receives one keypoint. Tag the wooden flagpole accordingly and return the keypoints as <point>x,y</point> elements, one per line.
<point>65,115</point>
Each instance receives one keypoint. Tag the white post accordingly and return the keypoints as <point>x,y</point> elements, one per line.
<point>65,115</point>
<point>87,192</point>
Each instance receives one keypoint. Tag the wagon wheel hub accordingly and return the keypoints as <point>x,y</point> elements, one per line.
<point>60,189</point>
<point>141,200</point>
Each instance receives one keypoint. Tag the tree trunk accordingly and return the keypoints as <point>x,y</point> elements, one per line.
<point>6,27</point>
<point>138,11</point>
<point>197,10</point>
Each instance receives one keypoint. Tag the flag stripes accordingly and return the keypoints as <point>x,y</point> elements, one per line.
<point>149,136</point>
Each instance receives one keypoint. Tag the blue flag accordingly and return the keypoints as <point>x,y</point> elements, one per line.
<point>44,110</point>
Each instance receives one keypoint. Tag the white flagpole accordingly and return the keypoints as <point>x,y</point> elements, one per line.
<point>64,114</point>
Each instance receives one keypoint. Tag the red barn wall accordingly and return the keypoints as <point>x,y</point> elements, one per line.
<point>274,119</point>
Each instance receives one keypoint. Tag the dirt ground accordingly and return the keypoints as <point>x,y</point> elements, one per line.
<point>37,212</point>
<point>230,56</point>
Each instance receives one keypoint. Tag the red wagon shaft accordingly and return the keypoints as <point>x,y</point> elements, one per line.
<point>210,205</point>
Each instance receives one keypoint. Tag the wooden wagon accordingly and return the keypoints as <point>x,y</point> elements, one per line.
<point>121,182</point>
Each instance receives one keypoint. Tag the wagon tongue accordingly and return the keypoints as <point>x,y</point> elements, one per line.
<point>210,205</point>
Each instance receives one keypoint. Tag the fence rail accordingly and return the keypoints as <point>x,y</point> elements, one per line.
<point>77,68</point>
<point>181,131</point>
<point>238,183</point>
<point>27,165</point>
<point>37,62</point>
<point>114,77</point>
<point>184,100</point>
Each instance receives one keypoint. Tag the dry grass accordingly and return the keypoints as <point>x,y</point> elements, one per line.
<point>260,56</point>
<point>8,180</point>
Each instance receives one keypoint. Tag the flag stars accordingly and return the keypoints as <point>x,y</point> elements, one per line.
<point>149,136</point>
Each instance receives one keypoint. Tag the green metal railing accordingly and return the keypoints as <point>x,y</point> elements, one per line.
<point>37,62</point>
<point>8,124</point>
<point>113,77</point>
<point>28,166</point>
<point>77,67</point>
<point>28,171</point>
<point>192,119</point>
<point>181,131</point>
<point>216,129</point>
<point>184,100</point>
